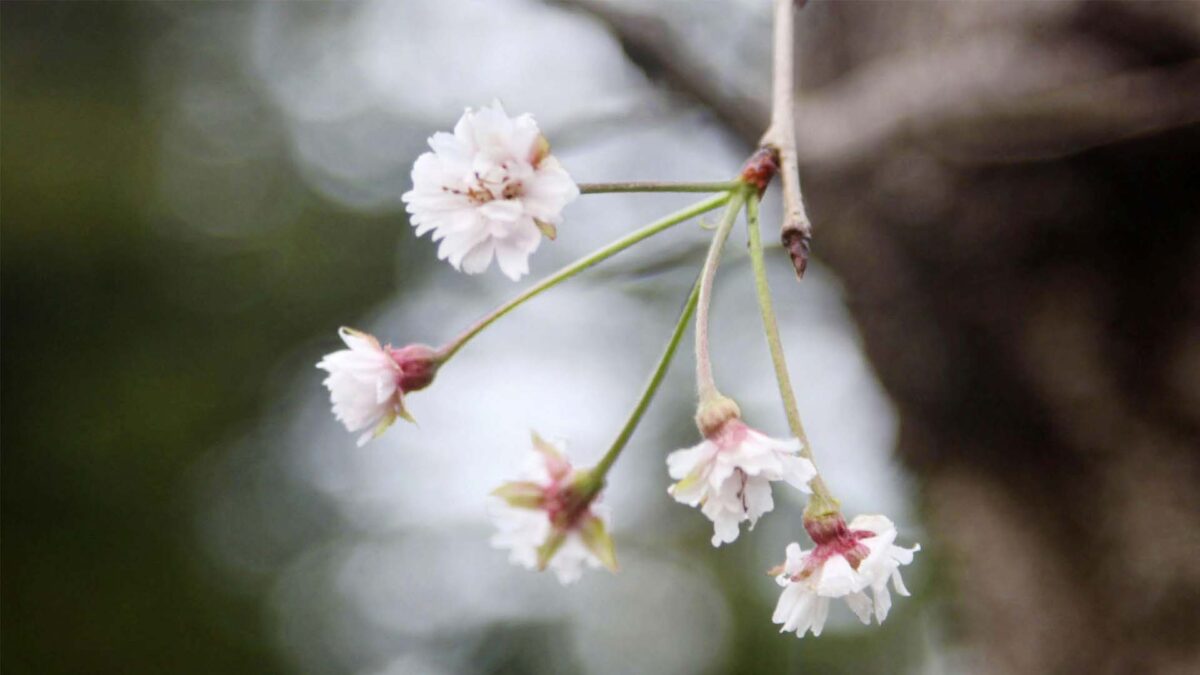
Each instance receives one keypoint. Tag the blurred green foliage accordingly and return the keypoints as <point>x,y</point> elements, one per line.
<point>130,349</point>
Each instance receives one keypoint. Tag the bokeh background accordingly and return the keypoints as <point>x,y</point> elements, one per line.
<point>998,346</point>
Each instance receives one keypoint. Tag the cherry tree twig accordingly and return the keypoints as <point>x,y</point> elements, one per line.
<point>780,137</point>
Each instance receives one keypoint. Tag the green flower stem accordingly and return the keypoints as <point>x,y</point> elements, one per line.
<point>822,502</point>
<point>596,475</point>
<point>655,186</point>
<point>450,349</point>
<point>705,386</point>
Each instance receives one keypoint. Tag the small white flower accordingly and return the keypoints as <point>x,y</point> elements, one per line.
<point>883,562</point>
<point>729,475</point>
<point>545,522</point>
<point>367,382</point>
<point>490,189</point>
<point>847,561</point>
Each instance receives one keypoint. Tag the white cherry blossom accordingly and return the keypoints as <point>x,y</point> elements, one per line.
<point>847,562</point>
<point>490,189</point>
<point>545,522</point>
<point>367,382</point>
<point>729,474</point>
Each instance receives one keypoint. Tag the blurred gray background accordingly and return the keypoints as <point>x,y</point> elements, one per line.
<point>998,346</point>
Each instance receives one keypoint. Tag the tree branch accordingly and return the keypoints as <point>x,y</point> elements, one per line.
<point>796,231</point>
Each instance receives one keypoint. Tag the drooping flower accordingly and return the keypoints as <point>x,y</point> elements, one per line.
<point>729,474</point>
<point>367,382</point>
<point>846,562</point>
<point>548,518</point>
<point>490,189</point>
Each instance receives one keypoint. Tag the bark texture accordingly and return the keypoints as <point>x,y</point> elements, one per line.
<point>1010,192</point>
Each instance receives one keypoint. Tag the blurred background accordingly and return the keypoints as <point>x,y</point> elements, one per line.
<point>998,346</point>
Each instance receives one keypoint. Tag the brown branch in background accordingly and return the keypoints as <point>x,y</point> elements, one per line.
<point>657,47</point>
<point>796,230</point>
<point>936,94</point>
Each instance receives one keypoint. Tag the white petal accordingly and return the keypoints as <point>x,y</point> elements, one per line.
<point>820,614</point>
<point>567,563</point>
<point>449,148</point>
<point>725,529</point>
<point>514,263</point>
<point>524,136</point>
<point>860,604</point>
<point>503,210</point>
<point>359,341</point>
<point>478,258</point>
<point>878,524</point>
<point>758,498</point>
<point>898,583</point>
<point>903,555</point>
<point>521,531</point>
<point>883,602</point>
<point>801,616</point>
<point>795,559</point>
<point>798,471</point>
<point>787,601</point>
<point>682,462</point>
<point>837,578</point>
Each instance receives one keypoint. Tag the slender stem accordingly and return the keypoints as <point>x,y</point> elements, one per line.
<point>796,230</point>
<point>450,349</point>
<point>705,386</point>
<point>655,186</point>
<point>597,474</point>
<point>822,499</point>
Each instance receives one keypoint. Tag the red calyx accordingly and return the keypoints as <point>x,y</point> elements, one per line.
<point>834,537</point>
<point>418,364</point>
<point>760,169</point>
<point>564,505</point>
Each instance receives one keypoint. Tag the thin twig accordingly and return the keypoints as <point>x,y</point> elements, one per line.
<point>706,387</point>
<point>699,208</point>
<point>660,370</point>
<point>823,501</point>
<point>796,230</point>
<point>655,186</point>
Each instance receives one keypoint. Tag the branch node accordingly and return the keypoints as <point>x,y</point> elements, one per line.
<point>760,169</point>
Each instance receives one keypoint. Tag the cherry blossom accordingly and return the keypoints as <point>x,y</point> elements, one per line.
<point>490,189</point>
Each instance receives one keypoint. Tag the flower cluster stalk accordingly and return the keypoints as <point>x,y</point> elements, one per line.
<point>655,186</point>
<point>705,385</point>
<point>597,475</point>
<point>449,350</point>
<point>822,502</point>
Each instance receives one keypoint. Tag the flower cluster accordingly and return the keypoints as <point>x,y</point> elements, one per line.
<point>549,517</point>
<point>490,189</point>
<point>846,562</point>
